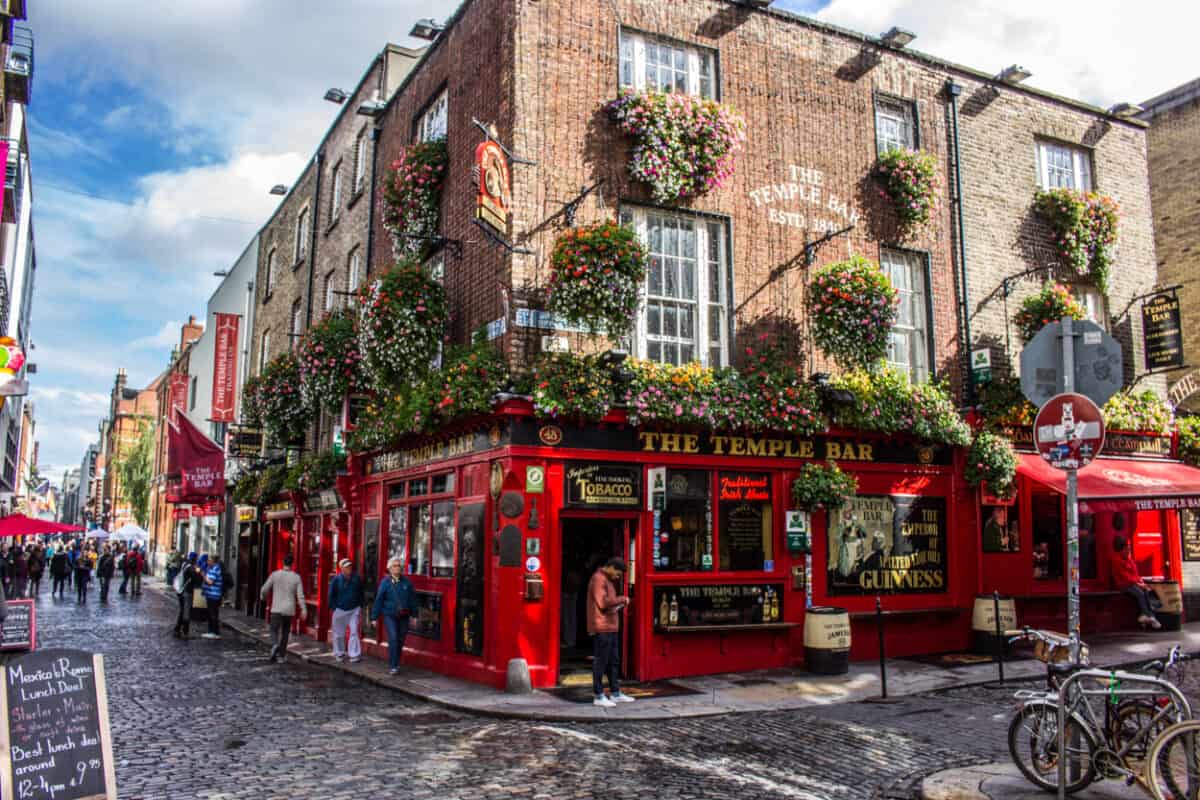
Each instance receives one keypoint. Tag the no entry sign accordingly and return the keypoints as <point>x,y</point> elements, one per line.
<point>1069,431</point>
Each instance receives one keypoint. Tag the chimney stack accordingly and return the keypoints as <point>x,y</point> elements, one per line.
<point>191,332</point>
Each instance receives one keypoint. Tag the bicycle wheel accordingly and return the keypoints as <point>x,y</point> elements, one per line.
<point>1174,763</point>
<point>1033,745</point>
<point>1137,723</point>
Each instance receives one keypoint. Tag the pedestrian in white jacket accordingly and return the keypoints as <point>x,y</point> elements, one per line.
<point>287,600</point>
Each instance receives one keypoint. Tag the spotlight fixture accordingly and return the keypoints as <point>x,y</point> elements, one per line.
<point>1126,110</point>
<point>427,29</point>
<point>279,189</point>
<point>336,95</point>
<point>221,273</point>
<point>1013,75</point>
<point>371,108</point>
<point>897,37</point>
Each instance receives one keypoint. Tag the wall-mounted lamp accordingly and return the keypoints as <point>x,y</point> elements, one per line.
<point>279,189</point>
<point>897,37</point>
<point>336,95</point>
<point>371,108</point>
<point>1126,110</point>
<point>427,29</point>
<point>221,273</point>
<point>1013,75</point>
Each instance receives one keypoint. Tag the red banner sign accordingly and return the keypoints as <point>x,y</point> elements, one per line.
<point>199,462</point>
<point>180,513</point>
<point>177,397</point>
<point>212,508</point>
<point>224,388</point>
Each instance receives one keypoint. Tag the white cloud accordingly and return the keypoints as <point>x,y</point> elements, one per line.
<point>165,339</point>
<point>1100,51</point>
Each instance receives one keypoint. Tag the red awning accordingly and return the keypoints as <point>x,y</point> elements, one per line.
<point>1113,484</point>
<point>21,525</point>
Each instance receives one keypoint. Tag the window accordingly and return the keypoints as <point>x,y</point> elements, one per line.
<point>264,351</point>
<point>360,160</point>
<point>747,541</point>
<point>192,392</point>
<point>354,271</point>
<point>1047,537</point>
<point>894,128</point>
<point>335,207</point>
<point>422,534</point>
<point>432,123</point>
<point>649,63</point>
<point>686,539</point>
<point>302,235</point>
<point>270,274</point>
<point>296,325</point>
<point>686,315</point>
<point>1092,300</point>
<point>908,349</point>
<point>330,295</point>
<point>1061,166</point>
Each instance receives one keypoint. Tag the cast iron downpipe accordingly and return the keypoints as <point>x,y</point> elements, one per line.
<point>954,90</point>
<point>314,222</point>
<point>370,190</point>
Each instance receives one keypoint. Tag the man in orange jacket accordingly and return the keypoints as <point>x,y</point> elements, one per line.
<point>603,607</point>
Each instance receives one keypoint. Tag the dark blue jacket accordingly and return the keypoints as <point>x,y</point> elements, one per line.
<point>394,597</point>
<point>346,593</point>
<point>216,589</point>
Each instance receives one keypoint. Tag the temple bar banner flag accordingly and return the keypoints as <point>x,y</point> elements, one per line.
<point>224,388</point>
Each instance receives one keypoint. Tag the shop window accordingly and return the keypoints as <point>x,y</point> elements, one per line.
<point>418,487</point>
<point>1001,528</point>
<point>442,484</point>
<point>894,125</point>
<point>396,491</point>
<point>908,348</point>
<point>685,541</point>
<point>397,533</point>
<point>1047,537</point>
<point>442,560</point>
<point>420,519</point>
<point>744,532</point>
<point>661,66</point>
<point>1062,166</point>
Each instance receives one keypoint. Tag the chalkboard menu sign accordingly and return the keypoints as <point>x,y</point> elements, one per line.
<point>55,737</point>
<point>1190,528</point>
<point>20,626</point>
<point>887,545</point>
<point>426,620</point>
<point>719,604</point>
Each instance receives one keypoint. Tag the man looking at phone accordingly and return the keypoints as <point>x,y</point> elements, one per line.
<point>603,607</point>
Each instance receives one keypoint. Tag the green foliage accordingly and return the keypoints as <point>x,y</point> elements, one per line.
<point>1003,404</point>
<point>991,459</point>
<point>277,400</point>
<point>1085,230</point>
<point>135,468</point>
<point>314,472</point>
<point>570,386</point>
<point>852,307</point>
<point>412,198</point>
<point>885,401</point>
<point>1189,440</point>
<point>1143,412</point>
<point>1052,303</point>
<point>823,486</point>
<point>597,277</point>
<point>910,181</point>
<point>329,361</point>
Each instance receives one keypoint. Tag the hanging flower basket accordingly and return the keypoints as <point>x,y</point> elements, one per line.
<point>991,460</point>
<point>412,198</point>
<point>823,486</point>
<point>400,330</point>
<point>885,401</point>
<point>251,402</point>
<point>470,381</point>
<point>597,277</point>
<point>1144,412</point>
<point>329,361</point>
<point>279,401</point>
<point>314,472</point>
<point>910,182</point>
<point>1051,304</point>
<point>852,307</point>
<point>1003,404</point>
<point>569,386</point>
<point>1189,440</point>
<point>1085,230</point>
<point>684,146</point>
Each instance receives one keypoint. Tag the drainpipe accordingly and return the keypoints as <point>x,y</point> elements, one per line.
<point>312,248</point>
<point>370,190</point>
<point>954,90</point>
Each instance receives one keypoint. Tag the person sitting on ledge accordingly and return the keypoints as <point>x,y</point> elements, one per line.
<point>1126,578</point>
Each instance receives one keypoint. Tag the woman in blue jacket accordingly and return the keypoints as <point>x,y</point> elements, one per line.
<point>395,602</point>
<point>213,590</point>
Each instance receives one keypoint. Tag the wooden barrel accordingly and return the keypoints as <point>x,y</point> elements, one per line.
<point>1171,613</point>
<point>827,640</point>
<point>983,623</point>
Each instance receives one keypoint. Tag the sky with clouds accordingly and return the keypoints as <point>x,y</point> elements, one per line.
<point>157,128</point>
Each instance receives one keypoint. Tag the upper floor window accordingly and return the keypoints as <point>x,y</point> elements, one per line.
<point>335,207</point>
<point>193,390</point>
<point>297,324</point>
<point>1092,300</point>
<point>894,125</point>
<point>330,292</point>
<point>1061,166</point>
<point>650,63</point>
<point>302,232</point>
<point>360,160</point>
<point>270,273</point>
<point>354,271</point>
<point>685,316</point>
<point>908,349</point>
<point>432,123</point>
<point>264,351</point>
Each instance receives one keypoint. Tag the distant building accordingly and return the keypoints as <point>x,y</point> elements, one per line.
<point>130,410</point>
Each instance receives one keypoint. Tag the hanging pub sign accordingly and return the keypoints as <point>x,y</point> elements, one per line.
<point>603,486</point>
<point>1162,332</point>
<point>244,442</point>
<point>495,186</point>
<point>887,545</point>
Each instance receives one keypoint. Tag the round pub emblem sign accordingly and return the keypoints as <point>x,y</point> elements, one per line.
<point>550,435</point>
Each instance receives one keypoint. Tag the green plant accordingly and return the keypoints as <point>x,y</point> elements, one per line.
<point>412,198</point>
<point>823,486</point>
<point>245,489</point>
<point>597,277</point>
<point>1143,412</point>
<point>1003,404</point>
<point>1050,304</point>
<point>991,459</point>
<point>329,361</point>
<point>279,401</point>
<point>270,483</point>
<point>910,182</point>
<point>251,402</point>
<point>885,401</point>
<point>569,386</point>
<point>470,380</point>
<point>684,146</point>
<point>400,330</point>
<point>314,472</point>
<point>852,307</point>
<point>135,468</point>
<point>1085,230</point>
<point>1188,429</point>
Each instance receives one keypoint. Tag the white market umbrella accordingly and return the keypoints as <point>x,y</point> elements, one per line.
<point>96,533</point>
<point>129,531</point>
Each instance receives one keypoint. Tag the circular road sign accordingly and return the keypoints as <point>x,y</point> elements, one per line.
<point>1069,431</point>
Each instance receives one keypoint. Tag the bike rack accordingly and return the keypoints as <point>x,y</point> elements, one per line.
<point>1155,687</point>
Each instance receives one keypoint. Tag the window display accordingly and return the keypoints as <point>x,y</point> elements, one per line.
<point>685,540</point>
<point>745,533</point>
<point>443,540</point>
<point>420,530</point>
<point>887,545</point>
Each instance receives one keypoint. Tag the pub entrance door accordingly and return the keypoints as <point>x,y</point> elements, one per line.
<point>587,543</point>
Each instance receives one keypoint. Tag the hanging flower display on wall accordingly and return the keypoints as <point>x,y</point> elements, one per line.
<point>401,323</point>
<point>823,486</point>
<point>279,401</point>
<point>1003,404</point>
<point>1143,412</point>
<point>469,382</point>
<point>314,472</point>
<point>597,277</point>
<point>684,146</point>
<point>852,307</point>
<point>885,401</point>
<point>910,182</point>
<point>1085,230</point>
<point>1053,302</point>
<point>329,361</point>
<point>251,402</point>
<point>412,197</point>
<point>991,460</point>
<point>1189,440</point>
<point>569,386</point>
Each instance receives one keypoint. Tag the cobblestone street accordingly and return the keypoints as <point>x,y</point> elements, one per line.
<point>212,719</point>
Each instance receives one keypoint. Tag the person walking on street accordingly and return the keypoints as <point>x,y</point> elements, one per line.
<point>174,562</point>
<point>135,563</point>
<point>188,581</point>
<point>104,572</point>
<point>37,565</point>
<point>60,568</point>
<point>213,590</point>
<point>123,564</point>
<point>603,609</point>
<point>287,600</point>
<point>83,574</point>
<point>20,572</point>
<point>346,599</point>
<point>395,602</point>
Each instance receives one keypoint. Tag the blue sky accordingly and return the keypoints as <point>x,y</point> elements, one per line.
<point>177,117</point>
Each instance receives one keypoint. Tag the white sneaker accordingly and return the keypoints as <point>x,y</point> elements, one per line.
<point>1155,624</point>
<point>604,702</point>
<point>622,698</point>
<point>208,636</point>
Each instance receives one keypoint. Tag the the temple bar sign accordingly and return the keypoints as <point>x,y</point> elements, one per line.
<point>1162,332</point>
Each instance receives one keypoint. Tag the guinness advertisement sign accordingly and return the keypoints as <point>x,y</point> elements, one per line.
<point>1162,332</point>
<point>603,486</point>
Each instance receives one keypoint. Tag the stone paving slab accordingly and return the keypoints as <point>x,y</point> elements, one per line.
<point>1002,781</point>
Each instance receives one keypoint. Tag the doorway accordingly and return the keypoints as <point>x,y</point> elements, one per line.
<point>586,545</point>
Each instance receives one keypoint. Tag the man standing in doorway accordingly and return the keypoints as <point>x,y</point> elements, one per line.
<point>603,609</point>
<point>287,600</point>
<point>396,601</point>
<point>346,599</point>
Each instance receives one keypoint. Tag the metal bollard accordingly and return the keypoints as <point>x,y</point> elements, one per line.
<point>1000,644</point>
<point>882,655</point>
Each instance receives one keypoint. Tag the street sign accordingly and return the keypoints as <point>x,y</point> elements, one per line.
<point>981,365</point>
<point>1069,431</point>
<point>1097,375</point>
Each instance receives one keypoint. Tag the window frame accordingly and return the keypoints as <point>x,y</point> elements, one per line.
<point>1093,300</point>
<point>406,500</point>
<point>353,271</point>
<point>703,339</point>
<point>295,321</point>
<point>330,296</point>
<point>335,191</point>
<point>430,111</point>
<point>269,273</point>
<point>929,330</point>
<point>882,100</point>
<point>360,162</point>
<point>264,350</point>
<point>303,232</point>
<point>638,39</point>
<point>1082,164</point>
